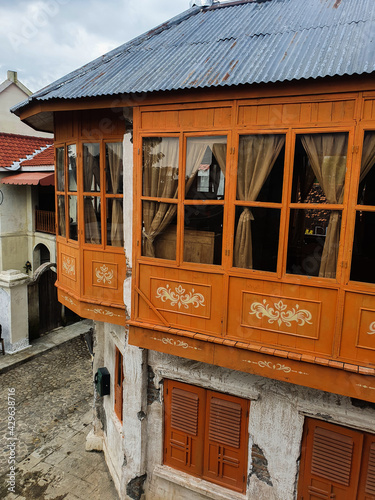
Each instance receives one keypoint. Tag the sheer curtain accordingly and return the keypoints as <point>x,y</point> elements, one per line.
<point>196,148</point>
<point>90,181</point>
<point>256,157</point>
<point>327,156</point>
<point>160,180</point>
<point>368,154</point>
<point>114,152</point>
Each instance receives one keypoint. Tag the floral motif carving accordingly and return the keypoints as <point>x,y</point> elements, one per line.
<point>176,343</point>
<point>68,265</point>
<point>104,274</point>
<point>275,366</point>
<point>104,312</point>
<point>278,366</point>
<point>69,300</point>
<point>179,297</point>
<point>279,313</point>
<point>372,329</point>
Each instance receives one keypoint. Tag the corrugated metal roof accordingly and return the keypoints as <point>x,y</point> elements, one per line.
<point>233,44</point>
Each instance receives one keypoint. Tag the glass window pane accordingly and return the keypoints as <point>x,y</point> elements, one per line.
<point>160,167</point>
<point>60,157</point>
<point>61,215</point>
<point>366,192</point>
<point>159,230</point>
<point>72,167</point>
<point>73,230</point>
<point>257,238</point>
<point>260,168</point>
<point>319,168</point>
<point>203,234</point>
<point>314,237</point>
<point>115,225</point>
<point>113,168</point>
<point>205,168</point>
<point>91,167</point>
<point>92,209</point>
<point>363,258</point>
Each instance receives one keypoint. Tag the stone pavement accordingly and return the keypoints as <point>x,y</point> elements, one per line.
<point>51,383</point>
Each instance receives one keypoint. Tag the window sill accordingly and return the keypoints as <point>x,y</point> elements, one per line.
<point>200,486</point>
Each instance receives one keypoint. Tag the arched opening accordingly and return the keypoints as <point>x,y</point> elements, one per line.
<point>41,255</point>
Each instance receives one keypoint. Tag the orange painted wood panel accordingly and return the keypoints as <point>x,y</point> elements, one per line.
<point>271,366</point>
<point>283,315</point>
<point>104,274</point>
<point>69,270</point>
<point>358,330</point>
<point>368,112</point>
<point>189,300</point>
<point>293,113</point>
<point>187,119</point>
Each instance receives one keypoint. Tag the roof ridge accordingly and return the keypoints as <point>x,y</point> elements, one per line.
<point>24,136</point>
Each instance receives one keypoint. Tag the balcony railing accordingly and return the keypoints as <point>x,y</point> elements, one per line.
<point>45,222</point>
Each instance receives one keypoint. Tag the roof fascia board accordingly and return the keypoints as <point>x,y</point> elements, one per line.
<point>328,85</point>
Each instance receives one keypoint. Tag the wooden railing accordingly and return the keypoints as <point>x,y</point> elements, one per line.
<point>45,222</point>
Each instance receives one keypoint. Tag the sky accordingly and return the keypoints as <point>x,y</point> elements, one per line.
<point>44,40</point>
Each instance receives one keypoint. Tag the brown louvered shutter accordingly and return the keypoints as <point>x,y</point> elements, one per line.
<point>184,426</point>
<point>119,376</point>
<point>367,482</point>
<point>226,441</point>
<point>330,463</point>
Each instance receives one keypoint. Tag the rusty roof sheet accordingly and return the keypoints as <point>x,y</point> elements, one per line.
<point>236,43</point>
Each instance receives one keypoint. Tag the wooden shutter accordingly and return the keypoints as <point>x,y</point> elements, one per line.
<point>119,376</point>
<point>184,426</point>
<point>226,441</point>
<point>330,464</point>
<point>367,481</point>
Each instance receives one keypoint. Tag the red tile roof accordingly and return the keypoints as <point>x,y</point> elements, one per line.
<point>15,148</point>
<point>44,158</point>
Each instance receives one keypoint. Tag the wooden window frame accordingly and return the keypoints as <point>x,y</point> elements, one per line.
<point>230,203</point>
<point>80,194</point>
<point>198,443</point>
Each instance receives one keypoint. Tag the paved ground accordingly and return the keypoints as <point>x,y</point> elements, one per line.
<point>53,394</point>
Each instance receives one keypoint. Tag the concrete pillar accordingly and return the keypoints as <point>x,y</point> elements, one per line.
<point>14,316</point>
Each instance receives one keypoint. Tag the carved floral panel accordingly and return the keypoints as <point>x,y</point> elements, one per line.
<point>181,297</point>
<point>69,266</point>
<point>281,314</point>
<point>366,329</point>
<point>104,274</point>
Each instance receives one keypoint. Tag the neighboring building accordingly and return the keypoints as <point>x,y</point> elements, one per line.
<point>27,224</point>
<point>231,152</point>
<point>13,91</point>
<point>27,217</point>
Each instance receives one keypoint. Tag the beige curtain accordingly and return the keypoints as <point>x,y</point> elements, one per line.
<point>92,226</point>
<point>327,156</point>
<point>90,181</point>
<point>61,216</point>
<point>160,180</point>
<point>368,154</point>
<point>114,152</point>
<point>256,157</point>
